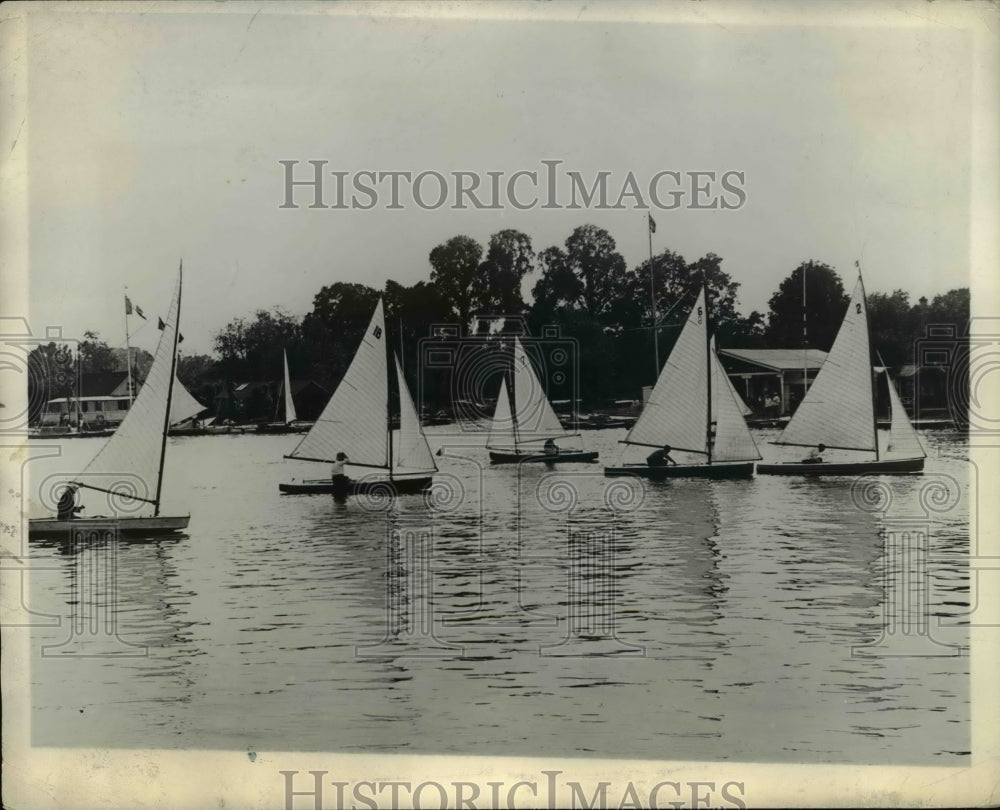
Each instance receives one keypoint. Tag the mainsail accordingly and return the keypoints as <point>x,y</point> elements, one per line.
<point>534,419</point>
<point>838,409</point>
<point>413,454</point>
<point>183,406</point>
<point>130,463</point>
<point>733,441</point>
<point>356,419</point>
<point>676,411</point>
<point>289,403</point>
<point>903,440</point>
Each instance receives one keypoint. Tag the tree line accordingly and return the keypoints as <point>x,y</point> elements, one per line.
<point>583,288</point>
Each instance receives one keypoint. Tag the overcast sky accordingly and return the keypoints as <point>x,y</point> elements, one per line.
<point>156,137</point>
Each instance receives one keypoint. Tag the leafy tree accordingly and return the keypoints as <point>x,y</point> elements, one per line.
<point>509,258</point>
<point>199,373</point>
<point>96,357</point>
<point>456,275</point>
<point>892,324</point>
<point>51,375</point>
<point>951,308</point>
<point>333,329</point>
<point>742,332</point>
<point>589,275</point>
<point>253,350</point>
<point>411,315</point>
<point>826,303</point>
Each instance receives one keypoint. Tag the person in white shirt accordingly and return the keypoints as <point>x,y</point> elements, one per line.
<point>815,455</point>
<point>338,477</point>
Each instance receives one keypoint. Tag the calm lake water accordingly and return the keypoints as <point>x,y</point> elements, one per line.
<point>518,614</point>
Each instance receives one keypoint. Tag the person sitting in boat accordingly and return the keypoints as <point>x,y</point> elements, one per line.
<point>661,458</point>
<point>66,509</point>
<point>338,477</point>
<point>815,455</point>
<point>551,448</point>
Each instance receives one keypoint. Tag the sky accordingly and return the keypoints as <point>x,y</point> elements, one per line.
<point>157,137</point>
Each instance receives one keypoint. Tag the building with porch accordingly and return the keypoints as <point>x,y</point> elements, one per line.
<point>772,382</point>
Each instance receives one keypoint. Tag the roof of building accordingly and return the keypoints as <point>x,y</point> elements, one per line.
<point>778,359</point>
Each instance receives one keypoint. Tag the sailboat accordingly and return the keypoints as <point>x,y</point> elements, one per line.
<point>519,434</point>
<point>129,467</point>
<point>278,425</point>
<point>356,421</point>
<point>183,406</point>
<point>693,409</point>
<point>838,411</point>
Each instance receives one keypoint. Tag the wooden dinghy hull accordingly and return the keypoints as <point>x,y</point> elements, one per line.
<point>895,466</point>
<point>500,457</point>
<point>400,486</point>
<point>143,526</point>
<point>721,470</point>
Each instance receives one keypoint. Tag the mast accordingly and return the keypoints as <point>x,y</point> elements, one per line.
<point>652,301</point>
<point>805,339</point>
<point>871,376</point>
<point>388,414</point>
<point>79,389</point>
<point>709,437</point>
<point>128,358</point>
<point>510,393</point>
<point>170,391</point>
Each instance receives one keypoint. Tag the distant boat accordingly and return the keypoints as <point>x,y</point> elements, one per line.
<point>693,409</point>
<point>129,468</point>
<point>838,411</point>
<point>521,434</point>
<point>356,421</point>
<point>183,406</point>
<point>285,396</point>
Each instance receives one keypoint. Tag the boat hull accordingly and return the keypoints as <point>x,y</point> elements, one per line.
<point>501,457</point>
<point>400,486</point>
<point>894,466</point>
<point>144,526</point>
<point>726,470</point>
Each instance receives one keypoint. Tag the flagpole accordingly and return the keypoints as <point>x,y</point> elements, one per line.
<point>128,354</point>
<point>652,300</point>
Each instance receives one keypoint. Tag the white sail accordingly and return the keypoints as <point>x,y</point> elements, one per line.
<point>356,419</point>
<point>903,439</point>
<point>534,419</point>
<point>837,410</point>
<point>677,410</point>
<point>183,406</point>
<point>502,427</point>
<point>129,463</point>
<point>289,402</point>
<point>733,441</point>
<point>413,454</point>
<point>745,409</point>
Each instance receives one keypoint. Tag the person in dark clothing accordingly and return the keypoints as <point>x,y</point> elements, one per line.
<point>66,509</point>
<point>551,448</point>
<point>661,458</point>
